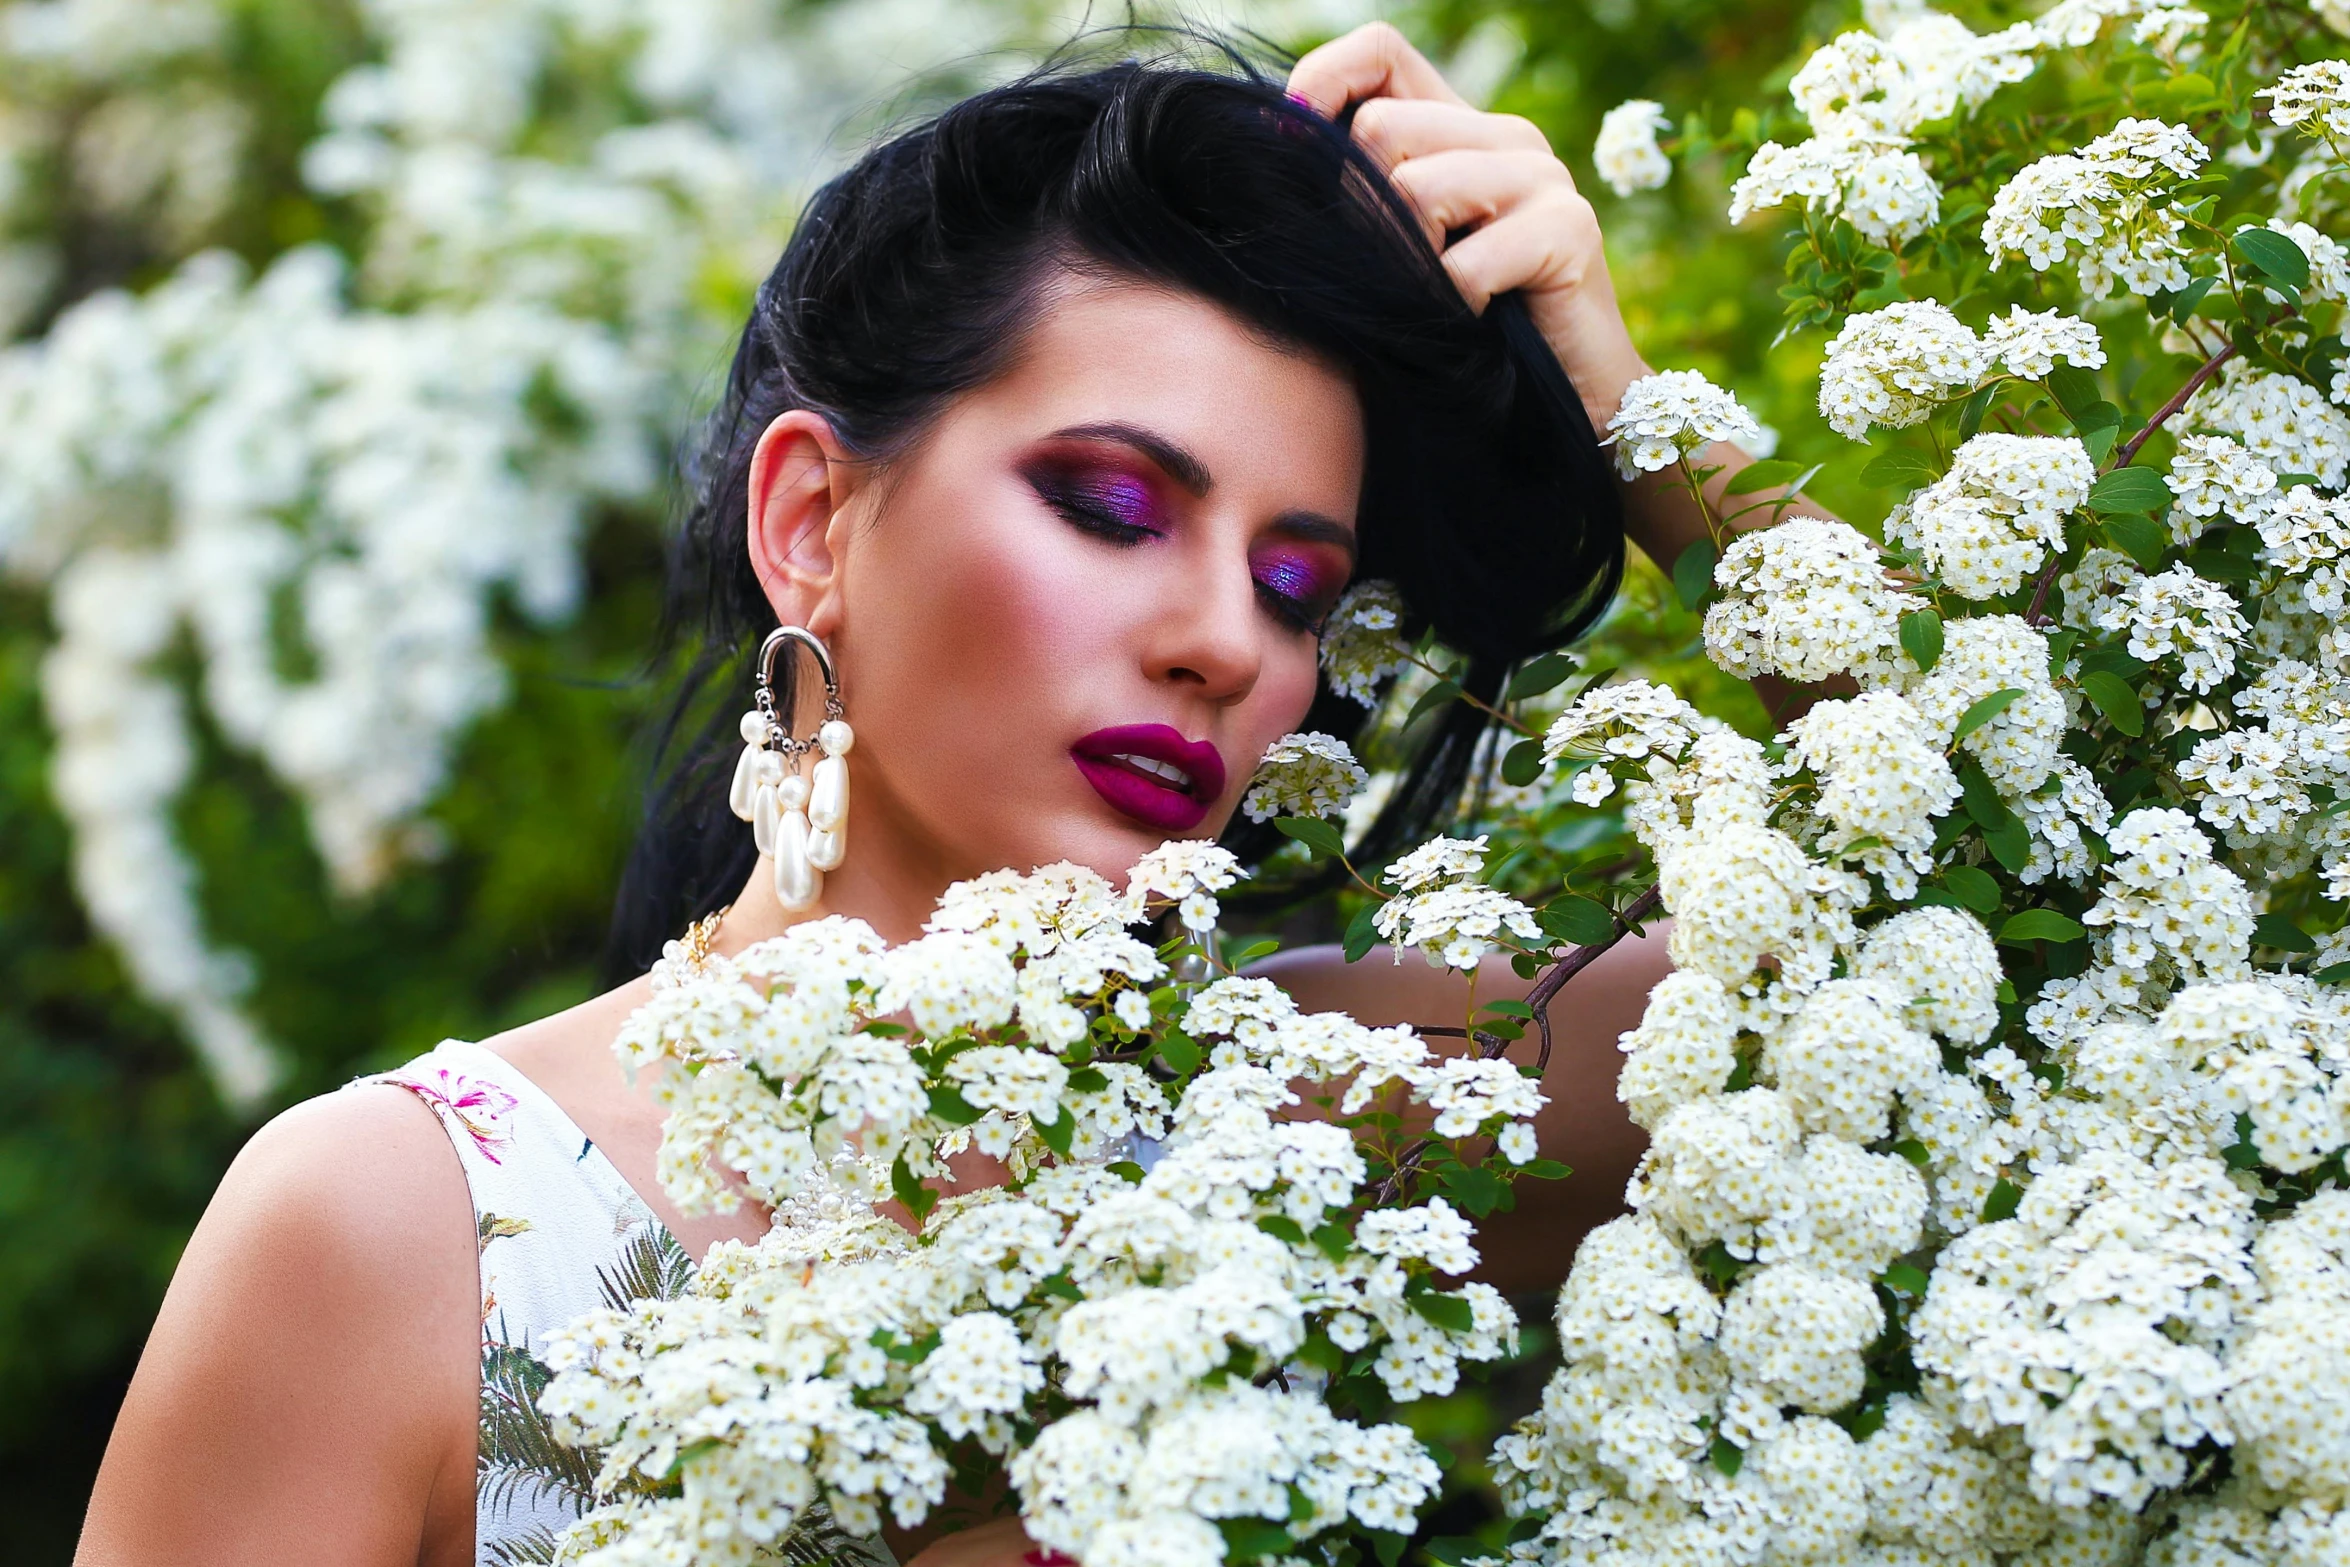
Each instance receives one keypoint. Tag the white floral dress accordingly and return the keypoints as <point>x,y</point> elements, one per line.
<point>560,1234</point>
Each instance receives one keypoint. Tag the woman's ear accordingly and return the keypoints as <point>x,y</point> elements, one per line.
<point>801,481</point>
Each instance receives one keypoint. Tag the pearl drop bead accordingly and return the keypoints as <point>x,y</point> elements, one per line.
<point>792,793</point>
<point>835,737</point>
<point>752,727</point>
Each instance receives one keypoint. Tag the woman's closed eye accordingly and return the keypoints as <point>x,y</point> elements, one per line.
<point>1298,587</point>
<point>1117,506</point>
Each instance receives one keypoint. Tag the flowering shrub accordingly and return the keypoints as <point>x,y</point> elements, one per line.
<point>1999,1102</point>
<point>1177,1326</point>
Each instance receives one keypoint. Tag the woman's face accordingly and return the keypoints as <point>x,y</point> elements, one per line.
<point>1069,622</point>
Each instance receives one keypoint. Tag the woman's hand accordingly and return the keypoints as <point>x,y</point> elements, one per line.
<point>1489,184</point>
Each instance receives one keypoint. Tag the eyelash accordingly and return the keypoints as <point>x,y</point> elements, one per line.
<point>1098,522</point>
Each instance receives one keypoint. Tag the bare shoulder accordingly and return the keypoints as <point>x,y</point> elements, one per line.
<point>314,1358</point>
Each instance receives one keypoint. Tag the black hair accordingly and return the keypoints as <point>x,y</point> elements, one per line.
<point>1486,498</point>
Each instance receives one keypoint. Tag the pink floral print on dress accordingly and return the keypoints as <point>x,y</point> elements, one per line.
<point>479,1107</point>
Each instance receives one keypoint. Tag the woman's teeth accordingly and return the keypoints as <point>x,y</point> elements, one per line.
<point>1174,777</point>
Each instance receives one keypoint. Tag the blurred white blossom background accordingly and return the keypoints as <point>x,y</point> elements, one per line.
<point>291,487</point>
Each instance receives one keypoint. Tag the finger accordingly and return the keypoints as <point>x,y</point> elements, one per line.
<point>1524,249</point>
<point>1373,61</point>
<point>1466,187</point>
<point>1393,129</point>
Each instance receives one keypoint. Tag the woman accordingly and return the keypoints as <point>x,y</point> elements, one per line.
<point>1063,421</point>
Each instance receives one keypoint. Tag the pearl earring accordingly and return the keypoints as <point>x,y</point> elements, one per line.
<point>802,824</point>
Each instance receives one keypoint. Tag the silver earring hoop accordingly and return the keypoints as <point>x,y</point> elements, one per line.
<point>800,823</point>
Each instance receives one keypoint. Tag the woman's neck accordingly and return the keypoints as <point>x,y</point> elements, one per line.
<point>888,882</point>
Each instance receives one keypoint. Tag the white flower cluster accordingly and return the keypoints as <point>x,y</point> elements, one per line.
<point>1626,154</point>
<point>1670,417</point>
<point>285,470</point>
<point>2179,617</point>
<point>1988,524</point>
<point>1865,97</point>
<point>1304,775</point>
<point>1453,918</point>
<point>2109,207</point>
<point>1893,367</point>
<point>839,1360</point>
<point>2316,96</point>
<point>2281,420</point>
<point>1362,641</point>
<point>1883,778</point>
<point>1807,599</point>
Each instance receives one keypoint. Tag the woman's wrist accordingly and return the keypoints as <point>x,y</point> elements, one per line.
<point>1594,347</point>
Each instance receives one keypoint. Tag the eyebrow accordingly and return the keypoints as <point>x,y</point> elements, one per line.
<point>1185,468</point>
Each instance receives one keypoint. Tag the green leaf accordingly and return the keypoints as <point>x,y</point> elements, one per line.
<point>1255,950</point>
<point>2040,925</point>
<point>1770,474</point>
<point>1974,889</point>
<point>2097,439</point>
<point>1283,1228</point>
<point>1914,1151</point>
<point>1448,1312</point>
<point>1178,1051</point>
<point>2117,700</point>
<point>1540,674</point>
<point>1088,1080</point>
<point>1361,934</point>
<point>1332,1241</point>
<point>2129,490</point>
<point>2275,930</point>
<point>1898,470</point>
<point>2003,833</point>
<point>2141,538</point>
<point>1510,1009</point>
<point>2075,390</point>
<point>2275,255</point>
<point>2001,1203</point>
<point>1921,638</point>
<point>1319,836</point>
<point>951,1107</point>
<point>1249,1537</point>
<point>918,1198</point>
<point>1727,1456</point>
<point>2099,418</point>
<point>1970,417</point>
<point>1577,920</point>
<point>2183,304</point>
<point>1693,573</point>
<point>1907,1278</point>
<point>1982,710</point>
<point>1059,1133</point>
<point>1436,696</point>
<point>2333,974</point>
<point>1523,764</point>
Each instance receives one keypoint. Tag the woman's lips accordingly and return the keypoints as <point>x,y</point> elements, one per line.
<point>1153,774</point>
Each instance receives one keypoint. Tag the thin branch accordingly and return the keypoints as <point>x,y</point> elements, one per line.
<point>1490,1046</point>
<point>2037,614</point>
<point>2208,369</point>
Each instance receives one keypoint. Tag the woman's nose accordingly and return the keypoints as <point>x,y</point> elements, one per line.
<point>1209,633</point>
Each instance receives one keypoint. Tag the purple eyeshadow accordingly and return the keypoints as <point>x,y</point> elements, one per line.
<point>1297,578</point>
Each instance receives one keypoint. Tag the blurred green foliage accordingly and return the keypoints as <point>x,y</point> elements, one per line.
<point>111,1139</point>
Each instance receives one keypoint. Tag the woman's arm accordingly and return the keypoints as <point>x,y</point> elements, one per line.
<point>1503,211</point>
<point>309,1390</point>
<point>1583,1125</point>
